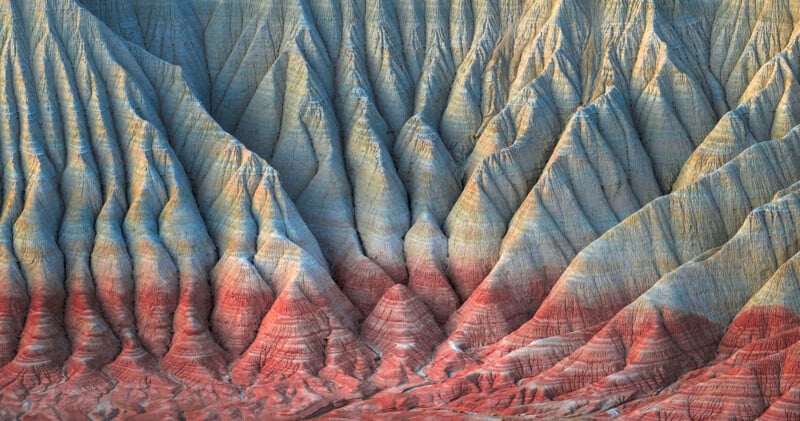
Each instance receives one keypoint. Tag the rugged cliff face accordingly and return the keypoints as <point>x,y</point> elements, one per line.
<point>285,209</point>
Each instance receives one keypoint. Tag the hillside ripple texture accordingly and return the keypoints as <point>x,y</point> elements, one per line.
<point>399,209</point>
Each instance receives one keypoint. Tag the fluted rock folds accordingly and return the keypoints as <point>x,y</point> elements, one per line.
<point>287,209</point>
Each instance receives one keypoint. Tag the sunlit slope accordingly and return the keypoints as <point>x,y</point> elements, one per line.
<point>287,208</point>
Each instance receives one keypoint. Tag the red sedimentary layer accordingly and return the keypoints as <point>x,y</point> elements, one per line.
<point>43,346</point>
<point>242,299</point>
<point>363,282</point>
<point>755,372</point>
<point>649,361</point>
<point>430,284</point>
<point>405,333</point>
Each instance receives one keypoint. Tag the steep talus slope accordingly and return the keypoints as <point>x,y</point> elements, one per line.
<point>415,208</point>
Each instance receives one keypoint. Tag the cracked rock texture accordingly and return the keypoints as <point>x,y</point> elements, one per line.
<point>417,209</point>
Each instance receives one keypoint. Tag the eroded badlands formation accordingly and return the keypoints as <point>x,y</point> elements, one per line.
<point>222,209</point>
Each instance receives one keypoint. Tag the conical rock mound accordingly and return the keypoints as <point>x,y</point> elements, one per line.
<point>404,331</point>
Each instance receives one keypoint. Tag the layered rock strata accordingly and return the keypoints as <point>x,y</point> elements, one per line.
<point>426,208</point>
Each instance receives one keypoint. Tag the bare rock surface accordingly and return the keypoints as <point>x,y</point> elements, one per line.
<point>419,209</point>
